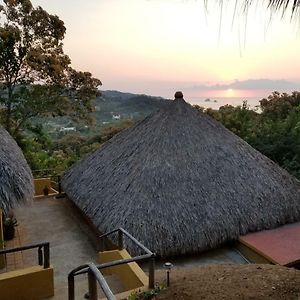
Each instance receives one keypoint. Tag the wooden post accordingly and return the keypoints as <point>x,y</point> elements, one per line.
<point>2,257</point>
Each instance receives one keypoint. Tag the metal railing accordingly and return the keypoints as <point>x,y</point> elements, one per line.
<point>93,275</point>
<point>40,173</point>
<point>43,252</point>
<point>149,256</point>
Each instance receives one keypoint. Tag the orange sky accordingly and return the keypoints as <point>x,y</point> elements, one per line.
<point>156,47</point>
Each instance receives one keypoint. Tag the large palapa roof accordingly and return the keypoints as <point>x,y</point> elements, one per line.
<point>181,183</point>
<point>16,182</point>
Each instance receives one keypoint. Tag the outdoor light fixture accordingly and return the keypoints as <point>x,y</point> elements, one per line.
<point>168,266</point>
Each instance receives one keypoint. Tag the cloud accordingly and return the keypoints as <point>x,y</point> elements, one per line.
<point>252,84</point>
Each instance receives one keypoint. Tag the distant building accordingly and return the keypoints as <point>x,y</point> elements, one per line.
<point>116,117</point>
<point>67,129</point>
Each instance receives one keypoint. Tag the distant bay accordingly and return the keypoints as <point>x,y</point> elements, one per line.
<point>216,102</point>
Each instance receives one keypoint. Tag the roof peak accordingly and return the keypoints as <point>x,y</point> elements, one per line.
<point>178,95</point>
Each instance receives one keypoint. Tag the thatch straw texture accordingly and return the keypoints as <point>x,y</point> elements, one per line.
<point>16,182</point>
<point>181,183</point>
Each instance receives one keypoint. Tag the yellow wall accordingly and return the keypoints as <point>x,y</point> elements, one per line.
<point>131,275</point>
<point>39,185</point>
<point>253,255</point>
<point>32,283</point>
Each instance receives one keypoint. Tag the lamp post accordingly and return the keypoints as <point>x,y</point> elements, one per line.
<point>168,266</point>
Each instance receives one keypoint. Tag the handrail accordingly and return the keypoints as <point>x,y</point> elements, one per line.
<point>40,170</point>
<point>150,256</point>
<point>108,233</point>
<point>114,263</point>
<point>133,239</point>
<point>47,170</point>
<point>43,257</point>
<point>93,275</point>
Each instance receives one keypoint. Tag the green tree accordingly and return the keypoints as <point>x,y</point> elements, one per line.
<point>278,106</point>
<point>275,131</point>
<point>278,130</point>
<point>36,77</point>
<point>240,119</point>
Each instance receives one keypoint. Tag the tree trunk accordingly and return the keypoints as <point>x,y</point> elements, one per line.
<point>8,109</point>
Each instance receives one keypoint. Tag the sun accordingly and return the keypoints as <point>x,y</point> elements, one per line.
<point>229,93</point>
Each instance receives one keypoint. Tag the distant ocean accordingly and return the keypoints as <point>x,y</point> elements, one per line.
<point>216,102</point>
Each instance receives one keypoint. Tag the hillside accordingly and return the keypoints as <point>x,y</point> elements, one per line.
<point>114,104</point>
<point>111,107</point>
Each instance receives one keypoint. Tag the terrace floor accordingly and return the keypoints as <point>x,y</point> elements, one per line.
<point>56,221</point>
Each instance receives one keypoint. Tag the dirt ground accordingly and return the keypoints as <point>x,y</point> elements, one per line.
<point>231,282</point>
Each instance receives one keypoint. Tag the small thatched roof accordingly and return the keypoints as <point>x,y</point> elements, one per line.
<point>180,182</point>
<point>16,182</point>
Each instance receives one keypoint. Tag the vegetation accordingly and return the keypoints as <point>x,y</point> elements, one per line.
<point>9,224</point>
<point>274,131</point>
<point>36,78</point>
<point>56,155</point>
<point>125,105</point>
<point>37,82</point>
<point>147,295</point>
<point>47,146</point>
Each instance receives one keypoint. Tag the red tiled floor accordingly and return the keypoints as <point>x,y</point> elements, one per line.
<point>280,245</point>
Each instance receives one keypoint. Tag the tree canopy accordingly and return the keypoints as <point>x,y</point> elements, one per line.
<point>274,131</point>
<point>36,77</point>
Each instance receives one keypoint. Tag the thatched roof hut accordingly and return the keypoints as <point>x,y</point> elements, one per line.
<point>16,182</point>
<point>181,183</point>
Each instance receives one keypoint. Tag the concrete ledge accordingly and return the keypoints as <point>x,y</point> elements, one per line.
<point>252,254</point>
<point>32,283</point>
<point>131,275</point>
<point>52,193</point>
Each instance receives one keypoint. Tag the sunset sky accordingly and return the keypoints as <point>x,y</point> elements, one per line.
<point>157,47</point>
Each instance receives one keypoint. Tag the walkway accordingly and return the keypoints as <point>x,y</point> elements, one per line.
<point>56,221</point>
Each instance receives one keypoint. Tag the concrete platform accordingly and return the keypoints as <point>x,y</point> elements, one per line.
<point>56,221</point>
<point>279,246</point>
